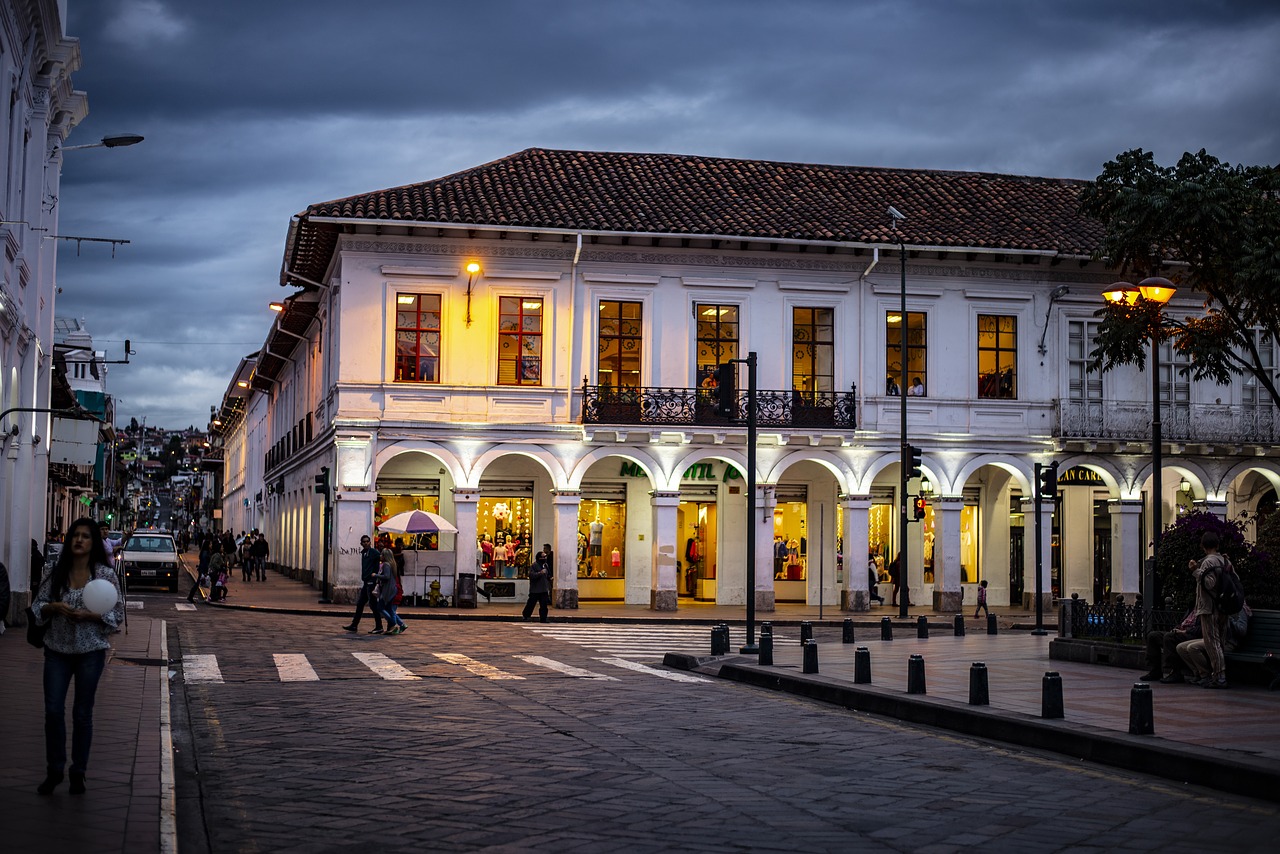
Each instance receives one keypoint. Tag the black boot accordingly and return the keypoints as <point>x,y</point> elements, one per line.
<point>77,783</point>
<point>50,782</point>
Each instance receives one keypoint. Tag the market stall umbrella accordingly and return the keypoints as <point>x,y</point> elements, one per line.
<point>417,522</point>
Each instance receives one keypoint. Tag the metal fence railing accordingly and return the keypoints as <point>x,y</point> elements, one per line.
<point>1112,620</point>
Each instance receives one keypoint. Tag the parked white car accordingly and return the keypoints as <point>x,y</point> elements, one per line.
<point>151,557</point>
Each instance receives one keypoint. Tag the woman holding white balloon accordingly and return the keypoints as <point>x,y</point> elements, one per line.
<point>80,600</point>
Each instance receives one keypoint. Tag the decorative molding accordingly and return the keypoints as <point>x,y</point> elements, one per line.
<point>620,279</point>
<point>829,287</point>
<point>444,272</point>
<point>540,275</point>
<point>1002,296</point>
<point>698,282</point>
<point>913,290</point>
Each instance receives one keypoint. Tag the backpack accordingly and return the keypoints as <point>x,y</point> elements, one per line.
<point>1228,593</point>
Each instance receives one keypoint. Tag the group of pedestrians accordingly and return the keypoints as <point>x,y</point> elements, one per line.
<point>380,589</point>
<point>218,556</point>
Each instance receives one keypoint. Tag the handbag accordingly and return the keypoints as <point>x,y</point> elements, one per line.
<point>35,632</point>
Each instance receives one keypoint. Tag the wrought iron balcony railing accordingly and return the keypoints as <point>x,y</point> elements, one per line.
<point>1129,420</point>
<point>697,407</point>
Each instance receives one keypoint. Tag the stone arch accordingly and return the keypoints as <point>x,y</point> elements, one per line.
<point>537,453</point>
<point>1014,466</point>
<point>578,471</point>
<point>1240,469</point>
<point>446,458</point>
<point>862,486</point>
<point>734,458</point>
<point>826,459</point>
<point>1190,469</point>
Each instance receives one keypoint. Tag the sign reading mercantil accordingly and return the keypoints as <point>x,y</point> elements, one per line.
<point>697,471</point>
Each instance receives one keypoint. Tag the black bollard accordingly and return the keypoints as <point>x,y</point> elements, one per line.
<point>886,629</point>
<point>992,628</point>
<point>720,640</point>
<point>862,666</point>
<point>1142,717</point>
<point>766,649</point>
<point>766,629</point>
<point>978,693</point>
<point>922,626</point>
<point>811,656</point>
<point>847,637</point>
<point>959,631</point>
<point>915,674</point>
<point>1051,696</point>
<point>806,632</point>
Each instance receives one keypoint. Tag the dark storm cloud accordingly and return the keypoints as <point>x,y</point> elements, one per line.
<point>254,110</point>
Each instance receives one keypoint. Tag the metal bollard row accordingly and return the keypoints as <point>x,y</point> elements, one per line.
<point>979,695</point>
<point>922,627</point>
<point>886,629</point>
<point>806,632</point>
<point>847,636</point>
<point>720,640</point>
<point>959,629</point>
<point>810,656</point>
<point>766,647</point>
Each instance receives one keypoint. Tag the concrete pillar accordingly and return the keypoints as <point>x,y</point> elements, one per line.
<point>857,593</point>
<point>948,597</point>
<point>565,589</point>
<point>1046,569</point>
<point>1127,549</point>
<point>766,502</point>
<point>466,504</point>
<point>352,519</point>
<point>663,595</point>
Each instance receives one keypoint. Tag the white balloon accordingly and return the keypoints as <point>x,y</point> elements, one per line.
<point>100,596</point>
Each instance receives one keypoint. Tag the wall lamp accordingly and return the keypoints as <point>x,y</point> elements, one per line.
<point>276,306</point>
<point>1058,293</point>
<point>473,270</point>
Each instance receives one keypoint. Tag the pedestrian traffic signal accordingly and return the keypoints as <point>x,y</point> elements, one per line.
<point>913,462</point>
<point>922,505</point>
<point>727,390</point>
<point>1049,480</point>
<point>322,481</point>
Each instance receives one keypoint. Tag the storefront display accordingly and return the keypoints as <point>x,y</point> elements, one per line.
<point>790,541</point>
<point>696,534</point>
<point>602,535</point>
<point>505,541</point>
<point>389,504</point>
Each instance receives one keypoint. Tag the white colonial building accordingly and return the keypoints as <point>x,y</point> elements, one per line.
<point>529,347</point>
<point>40,109</point>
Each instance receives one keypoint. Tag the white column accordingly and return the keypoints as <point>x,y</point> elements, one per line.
<point>352,519</point>
<point>663,595</point>
<point>766,502</point>
<point>1127,549</point>
<point>947,594</point>
<point>566,504</point>
<point>856,510</point>
<point>466,504</point>
<point>1046,555</point>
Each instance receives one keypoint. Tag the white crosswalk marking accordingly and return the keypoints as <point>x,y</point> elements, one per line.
<point>383,666</point>
<point>476,668</point>
<point>184,606</point>
<point>642,640</point>
<point>294,667</point>
<point>652,671</point>
<point>201,668</point>
<point>566,669</point>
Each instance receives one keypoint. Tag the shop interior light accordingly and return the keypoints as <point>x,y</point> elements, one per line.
<point>405,299</point>
<point>894,318</point>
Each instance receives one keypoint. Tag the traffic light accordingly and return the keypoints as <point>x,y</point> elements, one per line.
<point>1049,480</point>
<point>727,390</point>
<point>913,462</point>
<point>921,506</point>
<point>322,481</point>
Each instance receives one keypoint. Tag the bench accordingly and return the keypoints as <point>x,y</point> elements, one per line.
<point>1260,650</point>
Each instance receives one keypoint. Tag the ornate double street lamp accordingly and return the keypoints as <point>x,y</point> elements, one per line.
<point>1158,291</point>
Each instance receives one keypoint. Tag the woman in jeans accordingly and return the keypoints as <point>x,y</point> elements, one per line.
<point>75,647</point>
<point>389,595</point>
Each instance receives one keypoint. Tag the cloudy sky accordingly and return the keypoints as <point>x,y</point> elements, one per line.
<point>253,110</point>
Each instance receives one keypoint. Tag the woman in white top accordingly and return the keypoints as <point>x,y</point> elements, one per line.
<point>75,647</point>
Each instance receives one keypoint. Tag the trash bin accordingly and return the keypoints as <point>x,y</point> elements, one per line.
<point>465,595</point>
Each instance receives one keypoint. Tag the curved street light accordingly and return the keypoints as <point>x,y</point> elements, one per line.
<point>118,140</point>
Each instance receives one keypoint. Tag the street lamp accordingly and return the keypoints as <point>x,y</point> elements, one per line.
<point>1158,290</point>
<point>118,140</point>
<point>905,449</point>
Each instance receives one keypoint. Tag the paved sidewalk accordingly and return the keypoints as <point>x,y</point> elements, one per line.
<point>122,810</point>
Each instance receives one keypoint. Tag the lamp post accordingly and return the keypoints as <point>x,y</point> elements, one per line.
<point>118,140</point>
<point>904,593</point>
<point>1159,290</point>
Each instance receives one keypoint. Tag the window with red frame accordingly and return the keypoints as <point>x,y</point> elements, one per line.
<point>418,338</point>
<point>519,341</point>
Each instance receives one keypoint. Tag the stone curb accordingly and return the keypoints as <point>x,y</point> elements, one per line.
<point>1189,764</point>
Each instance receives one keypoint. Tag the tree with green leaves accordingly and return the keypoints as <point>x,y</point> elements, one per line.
<point>1206,225</point>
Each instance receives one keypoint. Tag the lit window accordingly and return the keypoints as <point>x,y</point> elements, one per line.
<point>812,351</point>
<point>519,341</point>
<point>917,352</point>
<point>717,339</point>
<point>997,356</point>
<point>619,343</point>
<point>418,338</point>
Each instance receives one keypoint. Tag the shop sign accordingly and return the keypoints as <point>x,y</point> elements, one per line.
<point>697,471</point>
<point>1081,476</point>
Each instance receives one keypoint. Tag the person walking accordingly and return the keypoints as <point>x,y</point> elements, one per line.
<point>895,575</point>
<point>202,572</point>
<point>982,600</point>
<point>873,578</point>
<point>75,648</point>
<point>389,593</point>
<point>217,572</point>
<point>539,588</point>
<point>1208,574</point>
<point>259,551</point>
<point>368,577</point>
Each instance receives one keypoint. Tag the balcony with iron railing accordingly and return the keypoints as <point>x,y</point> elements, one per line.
<point>1130,420</point>
<point>645,405</point>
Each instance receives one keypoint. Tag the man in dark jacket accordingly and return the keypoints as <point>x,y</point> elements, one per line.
<point>259,551</point>
<point>539,588</point>
<point>368,575</point>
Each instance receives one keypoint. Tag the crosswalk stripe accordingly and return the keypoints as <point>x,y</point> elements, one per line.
<point>184,606</point>
<point>383,666</point>
<point>640,668</point>
<point>201,668</point>
<point>475,668</point>
<point>567,669</point>
<point>294,667</point>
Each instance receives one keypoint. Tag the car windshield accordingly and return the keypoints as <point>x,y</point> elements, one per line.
<point>150,544</point>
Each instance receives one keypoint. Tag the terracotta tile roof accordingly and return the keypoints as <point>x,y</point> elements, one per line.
<point>678,195</point>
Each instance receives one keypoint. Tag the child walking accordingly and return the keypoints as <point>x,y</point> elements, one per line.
<point>982,600</point>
